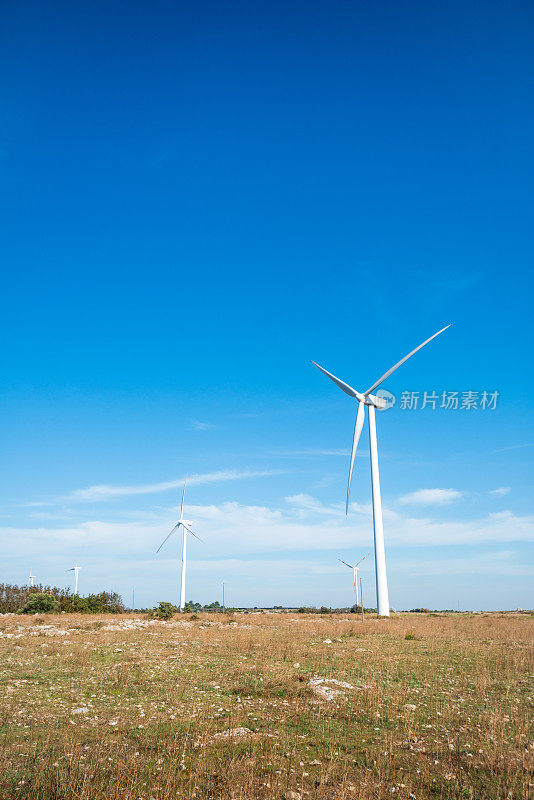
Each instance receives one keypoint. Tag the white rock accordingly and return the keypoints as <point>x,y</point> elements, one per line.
<point>82,710</point>
<point>321,687</point>
<point>231,732</point>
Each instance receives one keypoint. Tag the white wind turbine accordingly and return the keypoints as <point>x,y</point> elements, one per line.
<point>372,402</point>
<point>76,570</point>
<point>184,523</point>
<point>31,578</point>
<point>355,573</point>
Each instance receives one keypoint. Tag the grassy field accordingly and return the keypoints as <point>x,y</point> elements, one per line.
<point>427,706</point>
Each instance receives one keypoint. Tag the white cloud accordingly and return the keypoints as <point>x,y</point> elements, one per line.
<point>514,447</point>
<point>306,504</point>
<point>268,554</point>
<point>235,530</point>
<point>501,491</point>
<point>202,426</point>
<point>108,492</point>
<point>430,497</point>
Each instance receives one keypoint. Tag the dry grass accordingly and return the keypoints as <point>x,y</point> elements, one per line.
<point>444,715</point>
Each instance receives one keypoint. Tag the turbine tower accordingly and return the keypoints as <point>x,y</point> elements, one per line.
<point>76,570</point>
<point>372,402</point>
<point>184,523</point>
<point>355,574</point>
<point>31,578</point>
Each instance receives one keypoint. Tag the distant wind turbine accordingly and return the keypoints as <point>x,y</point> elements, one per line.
<point>31,578</point>
<point>372,402</point>
<point>355,573</point>
<point>76,570</point>
<point>184,523</point>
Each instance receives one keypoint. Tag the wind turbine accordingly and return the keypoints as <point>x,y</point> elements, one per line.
<point>31,578</point>
<point>184,523</point>
<point>355,573</point>
<point>76,570</point>
<point>372,401</point>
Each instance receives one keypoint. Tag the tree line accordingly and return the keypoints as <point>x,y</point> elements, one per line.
<point>50,599</point>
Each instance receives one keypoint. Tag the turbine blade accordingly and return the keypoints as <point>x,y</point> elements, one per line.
<point>342,385</point>
<point>344,562</point>
<point>401,362</point>
<point>357,433</point>
<point>168,537</point>
<point>363,559</point>
<point>183,495</point>
<point>191,532</point>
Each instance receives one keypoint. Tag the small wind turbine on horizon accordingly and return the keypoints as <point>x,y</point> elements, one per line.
<point>76,570</point>
<point>31,578</point>
<point>373,401</point>
<point>184,523</point>
<point>355,573</point>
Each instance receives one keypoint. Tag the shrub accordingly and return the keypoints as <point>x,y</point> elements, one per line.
<point>163,611</point>
<point>409,636</point>
<point>216,606</point>
<point>15,598</point>
<point>39,603</point>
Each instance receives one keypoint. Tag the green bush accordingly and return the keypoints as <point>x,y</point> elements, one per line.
<point>409,637</point>
<point>39,603</point>
<point>216,606</point>
<point>163,611</point>
<point>15,598</point>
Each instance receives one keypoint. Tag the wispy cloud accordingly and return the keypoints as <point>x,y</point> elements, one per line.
<point>305,503</point>
<point>501,491</point>
<point>514,447</point>
<point>312,452</point>
<point>197,425</point>
<point>104,491</point>
<point>430,497</point>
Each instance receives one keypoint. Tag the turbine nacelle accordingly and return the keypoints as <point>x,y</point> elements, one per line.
<point>373,400</point>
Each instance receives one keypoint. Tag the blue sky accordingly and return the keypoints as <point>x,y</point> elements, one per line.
<point>197,199</point>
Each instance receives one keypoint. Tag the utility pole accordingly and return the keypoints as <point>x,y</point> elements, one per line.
<point>133,599</point>
<point>224,611</point>
<point>361,599</point>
